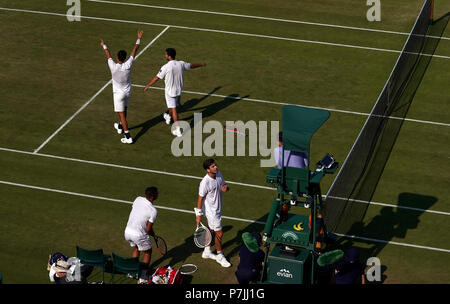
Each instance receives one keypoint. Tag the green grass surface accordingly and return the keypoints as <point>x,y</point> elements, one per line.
<point>53,67</point>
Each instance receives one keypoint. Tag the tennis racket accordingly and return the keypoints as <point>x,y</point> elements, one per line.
<point>160,245</point>
<point>202,236</point>
<point>188,269</point>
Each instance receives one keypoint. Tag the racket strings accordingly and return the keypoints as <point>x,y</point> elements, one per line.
<point>202,237</point>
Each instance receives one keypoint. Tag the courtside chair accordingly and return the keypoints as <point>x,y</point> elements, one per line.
<point>94,258</point>
<point>125,266</point>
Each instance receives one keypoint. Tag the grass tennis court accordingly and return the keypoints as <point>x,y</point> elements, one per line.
<point>66,179</point>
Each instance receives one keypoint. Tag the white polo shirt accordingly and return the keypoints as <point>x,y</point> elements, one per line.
<point>142,212</point>
<point>121,79</point>
<point>173,75</point>
<point>210,190</point>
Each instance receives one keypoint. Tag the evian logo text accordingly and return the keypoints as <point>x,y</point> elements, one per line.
<point>285,273</point>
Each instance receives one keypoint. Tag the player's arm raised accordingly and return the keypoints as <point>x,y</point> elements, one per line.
<point>105,48</point>
<point>197,65</point>
<point>138,42</point>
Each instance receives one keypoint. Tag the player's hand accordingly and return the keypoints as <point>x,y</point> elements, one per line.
<point>140,33</point>
<point>203,64</point>
<point>102,43</point>
<point>145,89</point>
<point>224,188</point>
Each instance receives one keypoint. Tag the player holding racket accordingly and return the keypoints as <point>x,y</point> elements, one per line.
<point>140,226</point>
<point>210,204</point>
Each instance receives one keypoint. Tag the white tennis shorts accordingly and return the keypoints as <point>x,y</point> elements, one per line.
<point>142,242</point>
<point>172,102</point>
<point>121,101</point>
<point>214,222</point>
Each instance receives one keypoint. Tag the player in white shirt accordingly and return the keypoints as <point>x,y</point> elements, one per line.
<point>173,74</point>
<point>210,204</point>
<point>140,226</point>
<point>121,83</point>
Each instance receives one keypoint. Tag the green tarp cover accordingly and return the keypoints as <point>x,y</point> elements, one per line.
<point>299,125</point>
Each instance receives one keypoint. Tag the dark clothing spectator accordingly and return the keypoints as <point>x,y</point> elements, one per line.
<point>351,270</point>
<point>251,259</point>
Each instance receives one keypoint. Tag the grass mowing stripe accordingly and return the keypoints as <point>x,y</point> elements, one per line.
<point>220,31</point>
<point>311,107</point>
<point>199,178</point>
<point>225,217</point>
<point>93,97</point>
<point>261,18</point>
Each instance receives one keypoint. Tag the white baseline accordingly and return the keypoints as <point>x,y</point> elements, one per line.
<point>260,18</point>
<point>222,32</point>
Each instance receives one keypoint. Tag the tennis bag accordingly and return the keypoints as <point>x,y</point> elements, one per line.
<point>168,275</point>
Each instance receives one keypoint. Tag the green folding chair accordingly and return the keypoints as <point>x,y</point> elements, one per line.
<point>123,265</point>
<point>94,258</point>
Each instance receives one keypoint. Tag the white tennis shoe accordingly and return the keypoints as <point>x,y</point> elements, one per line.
<point>167,118</point>
<point>177,132</point>
<point>222,260</point>
<point>207,254</point>
<point>118,129</point>
<point>125,140</point>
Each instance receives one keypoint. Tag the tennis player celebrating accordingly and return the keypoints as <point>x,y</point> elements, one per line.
<point>121,84</point>
<point>210,204</point>
<point>173,74</point>
<point>140,225</point>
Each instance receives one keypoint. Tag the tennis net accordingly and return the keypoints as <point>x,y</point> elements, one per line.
<point>359,175</point>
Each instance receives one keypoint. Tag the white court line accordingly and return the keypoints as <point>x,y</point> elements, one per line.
<point>225,217</point>
<point>72,117</point>
<point>224,32</point>
<point>93,97</point>
<point>261,18</point>
<point>391,242</point>
<point>311,107</point>
<point>200,177</point>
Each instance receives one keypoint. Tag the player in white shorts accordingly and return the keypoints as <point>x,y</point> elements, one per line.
<point>173,74</point>
<point>121,83</point>
<point>140,226</point>
<point>210,204</point>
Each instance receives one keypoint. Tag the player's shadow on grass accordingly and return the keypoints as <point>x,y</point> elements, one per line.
<point>388,224</point>
<point>145,126</point>
<point>211,109</point>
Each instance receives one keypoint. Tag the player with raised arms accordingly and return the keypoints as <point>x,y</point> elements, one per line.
<point>121,83</point>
